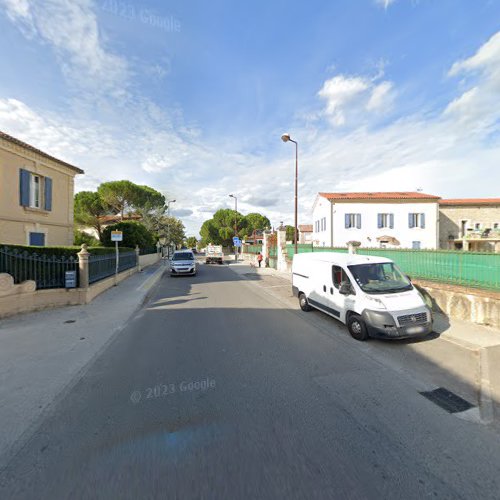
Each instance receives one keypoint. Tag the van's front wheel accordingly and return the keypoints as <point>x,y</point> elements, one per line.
<point>357,327</point>
<point>304,304</point>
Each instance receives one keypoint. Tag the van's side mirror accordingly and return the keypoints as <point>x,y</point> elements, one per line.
<point>345,288</point>
<point>409,278</point>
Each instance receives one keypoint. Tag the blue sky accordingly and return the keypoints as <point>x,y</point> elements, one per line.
<point>191,97</point>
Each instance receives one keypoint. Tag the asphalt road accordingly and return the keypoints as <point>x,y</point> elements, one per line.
<point>216,390</point>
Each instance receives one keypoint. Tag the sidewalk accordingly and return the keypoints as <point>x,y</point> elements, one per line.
<point>44,353</point>
<point>463,357</point>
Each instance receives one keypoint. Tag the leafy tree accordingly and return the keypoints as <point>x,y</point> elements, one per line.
<point>121,196</point>
<point>81,237</point>
<point>191,242</point>
<point>209,233</point>
<point>220,229</point>
<point>134,233</point>
<point>147,197</point>
<point>290,233</point>
<point>172,229</point>
<point>254,222</point>
<point>88,209</point>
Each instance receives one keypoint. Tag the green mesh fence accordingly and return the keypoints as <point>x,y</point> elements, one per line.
<point>470,269</point>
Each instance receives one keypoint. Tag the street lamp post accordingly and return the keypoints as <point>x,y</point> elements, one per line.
<point>286,138</point>
<point>235,224</point>
<point>168,227</point>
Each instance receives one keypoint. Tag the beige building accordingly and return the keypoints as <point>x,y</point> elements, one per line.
<point>305,233</point>
<point>36,195</point>
<point>471,224</point>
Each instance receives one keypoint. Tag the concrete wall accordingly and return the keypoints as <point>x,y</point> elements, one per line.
<point>17,221</point>
<point>16,303</point>
<point>477,306</point>
<point>493,376</point>
<point>148,260</point>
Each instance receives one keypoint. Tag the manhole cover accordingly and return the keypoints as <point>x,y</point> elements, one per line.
<point>447,400</point>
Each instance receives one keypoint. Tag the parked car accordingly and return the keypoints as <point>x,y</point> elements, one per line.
<point>183,262</point>
<point>368,294</point>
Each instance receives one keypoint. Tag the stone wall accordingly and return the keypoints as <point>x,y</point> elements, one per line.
<point>15,299</point>
<point>468,304</point>
<point>450,218</point>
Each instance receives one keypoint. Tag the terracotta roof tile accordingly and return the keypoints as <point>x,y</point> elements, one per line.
<point>470,201</point>
<point>391,195</point>
<point>306,228</point>
<point>25,145</point>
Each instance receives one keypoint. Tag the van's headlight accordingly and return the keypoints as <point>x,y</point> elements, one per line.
<point>377,301</point>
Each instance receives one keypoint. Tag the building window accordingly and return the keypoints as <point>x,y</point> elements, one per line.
<point>37,239</point>
<point>35,191</point>
<point>416,220</point>
<point>385,221</point>
<point>353,221</point>
<point>415,245</point>
<point>477,225</point>
<point>323,224</point>
<point>496,225</point>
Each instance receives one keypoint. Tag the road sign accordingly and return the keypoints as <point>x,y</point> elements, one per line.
<point>236,242</point>
<point>116,235</point>
<point>70,279</point>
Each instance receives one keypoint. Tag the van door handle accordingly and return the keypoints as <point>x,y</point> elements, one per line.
<point>331,290</point>
<point>324,288</point>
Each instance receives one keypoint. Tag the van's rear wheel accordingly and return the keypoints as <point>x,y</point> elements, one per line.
<point>304,304</point>
<point>357,327</point>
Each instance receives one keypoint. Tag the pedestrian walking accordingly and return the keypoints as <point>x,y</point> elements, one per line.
<point>259,258</point>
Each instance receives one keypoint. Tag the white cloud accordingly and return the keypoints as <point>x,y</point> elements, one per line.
<point>349,97</point>
<point>339,92</point>
<point>384,3</point>
<point>380,96</point>
<point>477,107</point>
<point>70,28</point>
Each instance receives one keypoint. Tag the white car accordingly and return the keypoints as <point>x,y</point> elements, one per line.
<point>183,262</point>
<point>368,294</point>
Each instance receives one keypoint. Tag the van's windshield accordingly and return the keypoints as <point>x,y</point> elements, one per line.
<point>183,256</point>
<point>380,278</point>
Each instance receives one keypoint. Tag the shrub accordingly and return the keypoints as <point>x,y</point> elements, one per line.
<point>134,234</point>
<point>83,237</point>
<point>66,251</point>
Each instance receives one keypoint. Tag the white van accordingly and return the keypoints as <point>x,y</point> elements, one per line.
<point>368,294</point>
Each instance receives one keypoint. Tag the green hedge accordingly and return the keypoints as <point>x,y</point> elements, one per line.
<point>66,251</point>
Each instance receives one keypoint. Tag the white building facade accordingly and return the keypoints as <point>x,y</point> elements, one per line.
<point>382,220</point>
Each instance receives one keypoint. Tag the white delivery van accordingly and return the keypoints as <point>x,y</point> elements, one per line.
<point>369,294</point>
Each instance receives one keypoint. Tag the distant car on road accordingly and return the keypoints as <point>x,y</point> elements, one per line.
<point>183,262</point>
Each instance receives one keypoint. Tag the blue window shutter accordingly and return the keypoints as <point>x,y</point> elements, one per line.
<point>358,221</point>
<point>346,220</point>
<point>422,221</point>
<point>24,188</point>
<point>391,221</point>
<point>379,221</point>
<point>48,193</point>
<point>410,221</point>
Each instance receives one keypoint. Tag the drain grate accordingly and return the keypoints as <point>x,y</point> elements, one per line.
<point>447,400</point>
